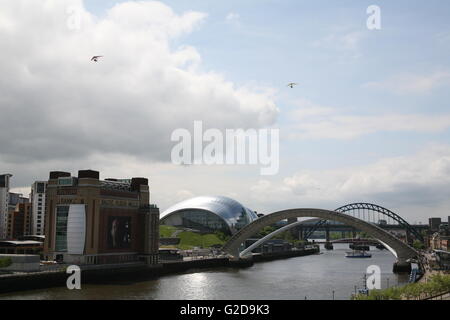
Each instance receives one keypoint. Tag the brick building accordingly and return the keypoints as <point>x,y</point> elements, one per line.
<point>93,221</point>
<point>20,221</point>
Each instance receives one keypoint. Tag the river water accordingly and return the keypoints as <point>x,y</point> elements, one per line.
<point>310,277</point>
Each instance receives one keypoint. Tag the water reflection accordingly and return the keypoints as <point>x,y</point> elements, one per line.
<point>314,277</point>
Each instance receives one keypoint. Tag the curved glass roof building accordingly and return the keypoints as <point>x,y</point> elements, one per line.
<point>209,214</point>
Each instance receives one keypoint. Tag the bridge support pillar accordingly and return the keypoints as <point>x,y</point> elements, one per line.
<point>408,238</point>
<point>402,251</point>
<point>328,244</point>
<point>235,256</point>
<point>401,266</point>
<point>294,231</point>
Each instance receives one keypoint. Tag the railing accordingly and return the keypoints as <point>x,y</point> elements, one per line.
<point>413,275</point>
<point>441,296</point>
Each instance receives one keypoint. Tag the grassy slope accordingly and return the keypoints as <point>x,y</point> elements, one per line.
<point>189,240</point>
<point>166,231</point>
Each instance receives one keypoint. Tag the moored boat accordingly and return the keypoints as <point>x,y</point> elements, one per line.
<point>357,254</point>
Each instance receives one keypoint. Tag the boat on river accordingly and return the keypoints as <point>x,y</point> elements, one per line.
<point>357,254</point>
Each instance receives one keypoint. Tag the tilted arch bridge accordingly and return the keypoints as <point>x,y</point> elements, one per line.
<point>401,250</point>
<point>362,211</point>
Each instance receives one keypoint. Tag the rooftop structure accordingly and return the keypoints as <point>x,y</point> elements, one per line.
<point>209,214</point>
<point>93,221</point>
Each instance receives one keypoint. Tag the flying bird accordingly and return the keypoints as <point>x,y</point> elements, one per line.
<point>95,58</point>
<point>292,84</point>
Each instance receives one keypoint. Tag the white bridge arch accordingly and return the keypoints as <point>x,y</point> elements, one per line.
<point>401,250</point>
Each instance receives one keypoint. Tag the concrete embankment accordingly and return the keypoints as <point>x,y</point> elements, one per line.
<point>184,266</point>
<point>131,271</point>
<point>284,255</point>
<point>50,279</point>
<point>105,274</point>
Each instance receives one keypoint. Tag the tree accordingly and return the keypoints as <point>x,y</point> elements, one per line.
<point>417,244</point>
<point>222,236</point>
<point>5,262</point>
<point>437,284</point>
<point>266,231</point>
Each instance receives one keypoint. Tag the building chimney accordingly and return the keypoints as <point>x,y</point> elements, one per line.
<point>59,174</point>
<point>137,182</point>
<point>88,174</point>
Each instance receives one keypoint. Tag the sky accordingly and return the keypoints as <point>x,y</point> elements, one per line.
<point>369,120</point>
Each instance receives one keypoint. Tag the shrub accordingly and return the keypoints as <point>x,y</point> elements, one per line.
<point>437,284</point>
<point>5,262</point>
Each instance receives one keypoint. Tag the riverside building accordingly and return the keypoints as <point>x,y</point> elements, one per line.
<point>37,198</point>
<point>4,204</point>
<point>209,214</point>
<point>93,221</point>
<point>19,221</point>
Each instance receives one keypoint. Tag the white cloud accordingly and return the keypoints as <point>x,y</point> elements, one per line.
<point>443,38</point>
<point>414,186</point>
<point>25,191</point>
<point>182,195</point>
<point>307,109</point>
<point>424,172</point>
<point>59,111</point>
<point>56,104</point>
<point>345,42</point>
<point>312,121</point>
<point>233,17</point>
<point>412,83</point>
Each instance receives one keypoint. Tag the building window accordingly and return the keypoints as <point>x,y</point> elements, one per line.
<point>62,213</point>
<point>65,182</point>
<point>202,220</point>
<point>40,188</point>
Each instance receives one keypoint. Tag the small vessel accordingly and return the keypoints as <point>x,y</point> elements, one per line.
<point>360,247</point>
<point>357,254</point>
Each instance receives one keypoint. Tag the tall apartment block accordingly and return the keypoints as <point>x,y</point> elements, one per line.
<point>93,221</point>
<point>37,199</point>
<point>4,204</point>
<point>19,222</point>
<point>434,223</point>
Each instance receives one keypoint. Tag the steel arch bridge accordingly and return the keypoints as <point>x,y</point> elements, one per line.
<point>401,250</point>
<point>368,212</point>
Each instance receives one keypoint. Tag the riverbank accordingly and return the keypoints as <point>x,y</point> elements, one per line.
<point>284,255</point>
<point>133,272</point>
<point>437,288</point>
<point>321,276</point>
